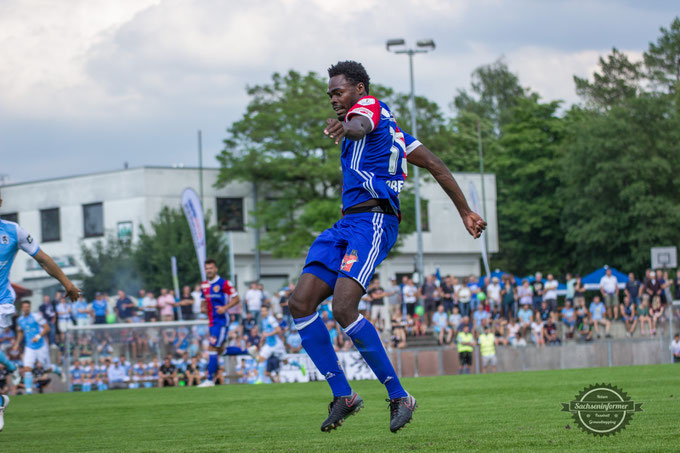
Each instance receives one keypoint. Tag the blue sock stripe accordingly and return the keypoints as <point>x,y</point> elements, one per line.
<point>301,323</point>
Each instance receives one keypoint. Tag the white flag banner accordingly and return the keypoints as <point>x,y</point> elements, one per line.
<point>193,211</point>
<point>475,207</point>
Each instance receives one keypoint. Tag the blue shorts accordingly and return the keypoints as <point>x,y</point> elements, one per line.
<point>353,247</point>
<point>218,335</point>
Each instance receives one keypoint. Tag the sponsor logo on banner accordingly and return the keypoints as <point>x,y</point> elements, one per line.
<point>349,260</point>
<point>194,214</point>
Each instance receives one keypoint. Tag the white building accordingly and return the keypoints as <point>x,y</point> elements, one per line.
<point>63,213</point>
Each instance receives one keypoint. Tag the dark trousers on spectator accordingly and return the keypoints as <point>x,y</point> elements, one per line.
<point>100,319</point>
<point>536,302</point>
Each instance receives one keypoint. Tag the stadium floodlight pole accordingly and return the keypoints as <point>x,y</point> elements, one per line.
<point>423,46</point>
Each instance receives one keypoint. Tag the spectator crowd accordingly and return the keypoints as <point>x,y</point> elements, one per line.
<point>455,312</point>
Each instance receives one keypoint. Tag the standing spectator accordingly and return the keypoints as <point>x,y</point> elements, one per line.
<point>81,311</point>
<point>513,331</point>
<point>568,319</point>
<point>455,319</point>
<point>598,313</point>
<point>64,320</point>
<point>393,292</point>
<point>447,293</point>
<point>488,350</point>
<point>652,287</point>
<point>579,292</point>
<point>676,286</point>
<point>493,293</point>
<point>429,293</point>
<point>509,297</point>
<point>197,296</point>
<point>150,307</point>
<point>254,297</point>
<point>629,316</point>
<point>609,287</point>
<point>466,344</point>
<point>550,293</point>
<point>441,326</point>
<point>378,308</point>
<point>569,295</point>
<point>667,297</point>
<point>410,296</point>
<point>50,316</point>
<point>644,316</point>
<point>166,304</point>
<point>525,293</point>
<point>537,291</point>
<point>186,303</point>
<point>464,297</point>
<point>633,289</point>
<point>675,348</point>
<point>537,330</point>
<point>473,285</point>
<point>167,373</point>
<point>100,309</point>
<point>124,307</point>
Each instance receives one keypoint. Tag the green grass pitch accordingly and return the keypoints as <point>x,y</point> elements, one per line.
<point>501,412</point>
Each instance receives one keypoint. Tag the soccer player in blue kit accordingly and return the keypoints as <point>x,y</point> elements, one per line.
<point>13,238</point>
<point>341,261</point>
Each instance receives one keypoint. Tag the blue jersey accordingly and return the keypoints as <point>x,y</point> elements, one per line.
<point>375,166</point>
<point>76,374</point>
<point>217,293</point>
<point>12,238</point>
<point>138,371</point>
<point>269,325</point>
<point>32,324</point>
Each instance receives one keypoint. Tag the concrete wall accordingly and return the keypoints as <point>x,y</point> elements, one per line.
<point>441,361</point>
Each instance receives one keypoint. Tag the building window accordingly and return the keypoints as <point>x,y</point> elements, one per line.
<point>93,220</point>
<point>11,217</point>
<point>230,214</point>
<point>424,218</point>
<point>50,226</point>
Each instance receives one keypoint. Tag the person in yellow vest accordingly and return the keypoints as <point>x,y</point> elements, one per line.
<point>488,349</point>
<point>466,344</point>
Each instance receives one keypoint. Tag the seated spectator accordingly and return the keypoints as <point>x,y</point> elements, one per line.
<point>525,316</point>
<point>167,375</point>
<point>585,329</point>
<point>293,342</point>
<point>193,372</point>
<point>455,319</point>
<point>76,373</point>
<point>253,338</point>
<point>628,316</point>
<point>550,331</point>
<point>597,316</point>
<point>138,375</point>
<point>117,375</point>
<point>398,332</point>
<point>41,377</point>
<point>334,334</point>
<point>440,322</point>
<point>513,329</point>
<point>499,332</point>
<point>248,323</point>
<point>480,317</point>
<point>153,370</point>
<point>656,312</point>
<point>644,316</point>
<point>675,348</point>
<point>518,341</point>
<point>568,319</point>
<point>4,380</point>
<point>537,330</point>
<point>581,311</point>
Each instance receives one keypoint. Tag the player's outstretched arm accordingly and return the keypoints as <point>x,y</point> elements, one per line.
<point>355,129</point>
<point>424,158</point>
<point>47,263</point>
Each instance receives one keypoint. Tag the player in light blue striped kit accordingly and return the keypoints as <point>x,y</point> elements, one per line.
<point>13,238</point>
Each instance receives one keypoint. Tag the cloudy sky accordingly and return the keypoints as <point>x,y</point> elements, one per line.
<point>86,85</point>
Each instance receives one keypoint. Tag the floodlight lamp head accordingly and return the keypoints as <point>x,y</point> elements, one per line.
<point>395,42</point>
<point>426,43</point>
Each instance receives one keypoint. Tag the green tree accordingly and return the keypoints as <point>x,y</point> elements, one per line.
<point>526,164</point>
<point>619,182</point>
<point>663,58</point>
<point>279,145</point>
<point>169,235</point>
<point>111,267</point>
<point>617,80</point>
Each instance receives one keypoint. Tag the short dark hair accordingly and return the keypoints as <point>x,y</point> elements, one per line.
<point>210,261</point>
<point>353,71</point>
<point>26,302</point>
